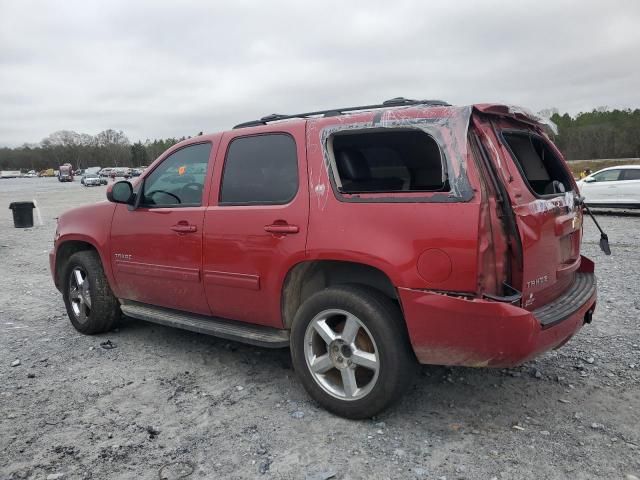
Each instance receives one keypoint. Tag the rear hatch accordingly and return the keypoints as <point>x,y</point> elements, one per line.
<point>541,191</point>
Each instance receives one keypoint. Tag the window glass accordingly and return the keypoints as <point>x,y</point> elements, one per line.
<point>262,169</point>
<point>607,176</point>
<point>179,179</point>
<point>632,174</point>
<point>388,161</point>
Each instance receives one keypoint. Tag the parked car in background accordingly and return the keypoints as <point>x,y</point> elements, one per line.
<point>367,239</point>
<point>49,172</point>
<point>92,180</point>
<point>134,172</point>
<point>31,174</point>
<point>105,172</point>
<point>65,173</point>
<point>121,171</point>
<point>612,187</point>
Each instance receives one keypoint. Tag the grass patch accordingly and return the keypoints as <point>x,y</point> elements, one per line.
<point>578,166</point>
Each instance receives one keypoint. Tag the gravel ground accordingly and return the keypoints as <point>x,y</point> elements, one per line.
<point>166,397</point>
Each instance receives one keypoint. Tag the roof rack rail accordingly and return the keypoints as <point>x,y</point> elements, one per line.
<point>393,102</point>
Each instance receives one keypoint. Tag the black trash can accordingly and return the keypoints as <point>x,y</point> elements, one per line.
<point>22,214</point>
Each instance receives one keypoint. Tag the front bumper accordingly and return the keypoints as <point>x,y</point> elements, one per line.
<point>448,330</point>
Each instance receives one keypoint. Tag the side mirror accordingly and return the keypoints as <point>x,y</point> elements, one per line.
<point>121,192</point>
<point>588,179</point>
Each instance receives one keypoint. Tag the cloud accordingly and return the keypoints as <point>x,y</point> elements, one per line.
<point>159,68</point>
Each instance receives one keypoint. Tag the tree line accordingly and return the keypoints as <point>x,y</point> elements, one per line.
<point>109,148</point>
<point>601,133</point>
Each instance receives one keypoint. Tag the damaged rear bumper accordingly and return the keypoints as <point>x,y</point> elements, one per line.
<point>448,330</point>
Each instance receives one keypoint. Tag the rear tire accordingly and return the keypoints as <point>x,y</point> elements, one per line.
<point>91,306</point>
<point>350,350</point>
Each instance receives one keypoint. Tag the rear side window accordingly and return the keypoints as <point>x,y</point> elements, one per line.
<point>380,161</point>
<point>607,176</point>
<point>262,169</point>
<point>179,179</point>
<point>540,167</point>
<point>632,174</point>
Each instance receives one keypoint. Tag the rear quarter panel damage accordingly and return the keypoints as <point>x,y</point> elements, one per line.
<point>391,231</point>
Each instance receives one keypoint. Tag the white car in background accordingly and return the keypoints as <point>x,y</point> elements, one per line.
<point>92,179</point>
<point>612,187</point>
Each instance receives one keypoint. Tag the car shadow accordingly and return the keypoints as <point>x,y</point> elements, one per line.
<point>448,398</point>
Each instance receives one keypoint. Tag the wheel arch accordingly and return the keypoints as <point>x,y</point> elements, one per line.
<point>68,247</point>
<point>307,277</point>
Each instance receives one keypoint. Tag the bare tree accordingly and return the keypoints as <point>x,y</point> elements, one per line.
<point>115,144</point>
<point>66,146</point>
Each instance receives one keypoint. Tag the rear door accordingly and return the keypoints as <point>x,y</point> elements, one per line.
<point>631,185</point>
<point>256,225</point>
<point>541,191</point>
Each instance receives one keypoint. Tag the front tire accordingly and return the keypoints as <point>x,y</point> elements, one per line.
<point>91,306</point>
<point>351,351</point>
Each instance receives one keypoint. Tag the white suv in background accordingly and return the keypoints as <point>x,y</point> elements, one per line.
<point>613,187</point>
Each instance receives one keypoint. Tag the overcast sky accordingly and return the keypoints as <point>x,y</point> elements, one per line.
<point>172,68</point>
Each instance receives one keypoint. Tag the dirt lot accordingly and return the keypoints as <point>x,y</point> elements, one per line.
<point>72,409</point>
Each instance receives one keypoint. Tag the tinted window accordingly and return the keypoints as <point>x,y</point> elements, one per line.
<point>179,179</point>
<point>388,161</point>
<point>632,174</point>
<point>262,169</point>
<point>607,176</point>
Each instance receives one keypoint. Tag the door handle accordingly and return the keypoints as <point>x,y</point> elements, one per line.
<point>184,228</point>
<point>281,228</point>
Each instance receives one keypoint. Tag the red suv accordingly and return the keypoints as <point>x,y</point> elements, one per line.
<point>367,239</point>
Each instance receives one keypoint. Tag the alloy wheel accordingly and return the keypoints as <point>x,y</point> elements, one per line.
<point>80,294</point>
<point>341,354</point>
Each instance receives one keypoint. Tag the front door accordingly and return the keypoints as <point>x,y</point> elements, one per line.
<point>255,227</point>
<point>603,188</point>
<point>156,249</point>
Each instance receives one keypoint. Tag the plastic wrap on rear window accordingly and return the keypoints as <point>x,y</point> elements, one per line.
<point>446,125</point>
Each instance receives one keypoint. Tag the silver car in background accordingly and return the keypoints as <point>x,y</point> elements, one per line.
<point>91,180</point>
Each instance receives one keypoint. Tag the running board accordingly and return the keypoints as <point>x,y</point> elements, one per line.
<point>238,331</point>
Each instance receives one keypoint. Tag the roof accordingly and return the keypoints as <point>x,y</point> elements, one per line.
<point>335,112</point>
<point>616,167</point>
<point>410,108</point>
<point>517,113</point>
